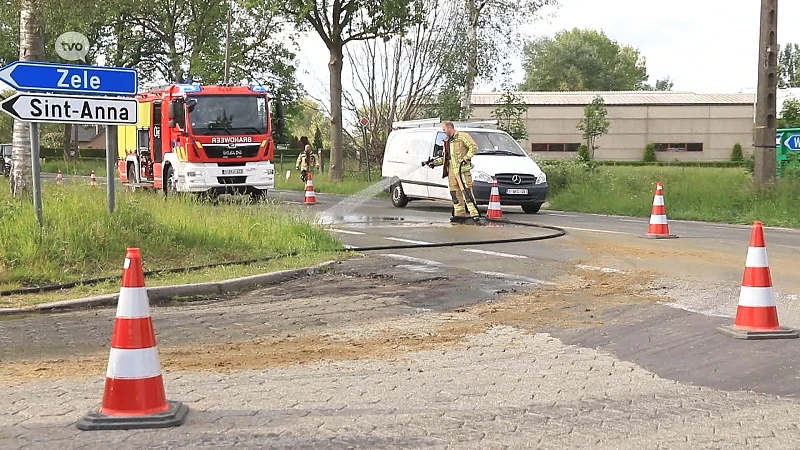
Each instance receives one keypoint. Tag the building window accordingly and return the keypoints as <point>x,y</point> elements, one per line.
<point>692,147</point>
<point>538,147</point>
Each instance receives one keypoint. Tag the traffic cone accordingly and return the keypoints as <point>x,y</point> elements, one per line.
<point>59,177</point>
<point>134,396</point>
<point>311,197</point>
<point>495,211</point>
<point>93,180</point>
<point>658,227</point>
<point>757,314</point>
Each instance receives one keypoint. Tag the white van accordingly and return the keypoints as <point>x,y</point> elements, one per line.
<point>520,180</point>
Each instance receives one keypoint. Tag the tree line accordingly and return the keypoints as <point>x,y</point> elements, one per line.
<point>408,58</point>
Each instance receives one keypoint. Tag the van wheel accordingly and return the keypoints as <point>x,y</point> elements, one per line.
<point>531,208</point>
<point>399,198</point>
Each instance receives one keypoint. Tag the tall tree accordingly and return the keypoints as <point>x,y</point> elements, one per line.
<point>664,84</point>
<point>491,32</point>
<point>582,60</point>
<point>338,22</point>
<point>509,114</point>
<point>790,114</point>
<point>31,48</point>
<point>394,78</point>
<point>789,66</point>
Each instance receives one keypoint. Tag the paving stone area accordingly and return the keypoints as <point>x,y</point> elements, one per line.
<point>506,390</point>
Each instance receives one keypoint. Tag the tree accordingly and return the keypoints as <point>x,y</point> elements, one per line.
<point>318,138</point>
<point>582,60</point>
<point>661,85</point>
<point>510,114</point>
<point>305,118</point>
<point>789,66</point>
<point>491,31</point>
<point>339,22</point>
<point>790,114</point>
<point>594,123</point>
<point>31,48</point>
<point>395,77</point>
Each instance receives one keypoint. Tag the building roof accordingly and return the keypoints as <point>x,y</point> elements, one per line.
<point>618,98</point>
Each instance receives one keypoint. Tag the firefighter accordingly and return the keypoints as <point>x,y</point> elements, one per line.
<point>456,166</point>
<point>305,161</point>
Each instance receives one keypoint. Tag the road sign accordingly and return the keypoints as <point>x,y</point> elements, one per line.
<point>364,121</point>
<point>792,142</point>
<point>39,76</point>
<point>778,138</point>
<point>34,107</point>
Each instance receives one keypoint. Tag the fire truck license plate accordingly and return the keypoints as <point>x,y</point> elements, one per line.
<point>516,191</point>
<point>232,171</point>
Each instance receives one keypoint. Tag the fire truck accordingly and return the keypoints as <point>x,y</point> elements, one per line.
<point>205,139</point>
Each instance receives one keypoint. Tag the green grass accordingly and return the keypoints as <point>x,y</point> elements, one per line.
<point>691,193</point>
<point>81,240</point>
<point>352,183</point>
<point>82,167</point>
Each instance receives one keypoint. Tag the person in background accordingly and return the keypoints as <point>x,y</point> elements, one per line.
<point>305,161</point>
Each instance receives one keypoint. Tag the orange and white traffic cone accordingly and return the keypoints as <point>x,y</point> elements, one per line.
<point>93,180</point>
<point>134,395</point>
<point>59,177</point>
<point>311,197</point>
<point>757,314</point>
<point>659,228</point>
<point>495,211</point>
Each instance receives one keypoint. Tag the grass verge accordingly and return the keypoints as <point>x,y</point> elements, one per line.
<point>81,167</point>
<point>691,193</point>
<point>353,183</point>
<point>81,240</point>
<point>200,276</point>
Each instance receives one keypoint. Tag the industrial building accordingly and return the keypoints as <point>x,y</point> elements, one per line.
<point>682,125</point>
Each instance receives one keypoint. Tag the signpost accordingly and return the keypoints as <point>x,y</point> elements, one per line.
<point>71,93</point>
<point>792,142</point>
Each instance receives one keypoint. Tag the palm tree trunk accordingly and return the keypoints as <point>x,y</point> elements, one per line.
<point>31,48</point>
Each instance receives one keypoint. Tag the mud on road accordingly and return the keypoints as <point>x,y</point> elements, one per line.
<point>372,307</point>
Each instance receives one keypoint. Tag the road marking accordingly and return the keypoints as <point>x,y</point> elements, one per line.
<point>428,268</point>
<point>559,215</point>
<point>488,252</point>
<point>515,277</point>
<point>407,240</point>
<point>349,246</point>
<point>631,220</point>
<point>413,259</point>
<point>592,230</point>
<point>346,231</point>
<point>600,269</point>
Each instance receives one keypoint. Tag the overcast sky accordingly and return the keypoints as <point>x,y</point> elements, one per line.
<point>703,45</point>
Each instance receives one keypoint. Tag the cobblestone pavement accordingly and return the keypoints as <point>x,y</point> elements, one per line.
<point>408,357</point>
<point>506,389</point>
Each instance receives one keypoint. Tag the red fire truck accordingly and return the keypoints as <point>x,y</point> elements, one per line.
<point>214,139</point>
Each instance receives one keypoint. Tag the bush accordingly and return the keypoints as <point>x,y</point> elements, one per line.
<point>583,153</point>
<point>736,154</point>
<point>649,153</point>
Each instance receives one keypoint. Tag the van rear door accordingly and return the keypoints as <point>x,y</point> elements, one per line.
<point>437,186</point>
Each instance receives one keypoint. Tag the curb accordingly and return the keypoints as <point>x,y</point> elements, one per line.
<point>165,293</point>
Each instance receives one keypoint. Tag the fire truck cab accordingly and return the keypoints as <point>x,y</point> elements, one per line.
<point>214,139</point>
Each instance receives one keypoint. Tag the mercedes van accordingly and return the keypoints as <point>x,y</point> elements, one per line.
<point>520,180</point>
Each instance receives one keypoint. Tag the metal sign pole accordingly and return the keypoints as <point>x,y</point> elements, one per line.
<point>37,172</point>
<point>111,140</point>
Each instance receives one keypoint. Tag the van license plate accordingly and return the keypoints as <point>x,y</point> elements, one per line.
<point>516,191</point>
<point>232,171</point>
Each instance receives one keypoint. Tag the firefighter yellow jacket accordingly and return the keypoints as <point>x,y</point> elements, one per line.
<point>460,147</point>
<point>304,163</point>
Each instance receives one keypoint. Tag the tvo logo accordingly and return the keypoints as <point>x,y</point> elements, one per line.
<point>72,46</point>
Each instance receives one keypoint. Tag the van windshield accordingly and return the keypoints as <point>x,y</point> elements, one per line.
<point>496,144</point>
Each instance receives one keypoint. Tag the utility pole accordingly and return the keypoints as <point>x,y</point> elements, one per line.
<point>764,136</point>
<point>227,75</point>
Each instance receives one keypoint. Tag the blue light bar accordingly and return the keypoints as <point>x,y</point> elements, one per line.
<point>257,87</point>
<point>189,87</point>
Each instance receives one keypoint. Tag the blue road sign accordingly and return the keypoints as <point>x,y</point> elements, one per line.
<point>39,76</point>
<point>793,142</point>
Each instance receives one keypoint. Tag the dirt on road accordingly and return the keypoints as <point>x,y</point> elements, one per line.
<point>581,297</point>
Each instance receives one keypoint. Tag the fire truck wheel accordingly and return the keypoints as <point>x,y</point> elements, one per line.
<point>169,182</point>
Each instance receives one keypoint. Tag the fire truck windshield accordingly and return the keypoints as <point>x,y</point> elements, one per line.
<point>229,114</point>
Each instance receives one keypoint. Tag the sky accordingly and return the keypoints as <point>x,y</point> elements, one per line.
<point>705,46</point>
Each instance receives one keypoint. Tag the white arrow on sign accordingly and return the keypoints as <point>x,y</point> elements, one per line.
<point>30,107</point>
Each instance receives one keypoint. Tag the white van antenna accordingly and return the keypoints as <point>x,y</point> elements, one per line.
<point>433,121</point>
